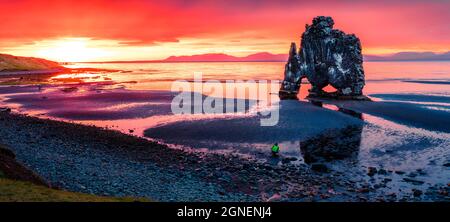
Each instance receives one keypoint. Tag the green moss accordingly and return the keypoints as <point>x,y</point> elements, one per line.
<point>18,191</point>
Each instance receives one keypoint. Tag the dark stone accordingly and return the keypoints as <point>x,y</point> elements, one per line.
<point>382,172</point>
<point>288,160</point>
<point>319,167</point>
<point>417,193</point>
<point>386,180</point>
<point>5,109</point>
<point>285,161</point>
<point>412,174</point>
<point>421,172</point>
<point>371,171</point>
<point>364,190</point>
<point>413,181</point>
<point>327,57</point>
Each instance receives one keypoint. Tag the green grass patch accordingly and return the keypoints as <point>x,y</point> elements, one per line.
<point>18,191</point>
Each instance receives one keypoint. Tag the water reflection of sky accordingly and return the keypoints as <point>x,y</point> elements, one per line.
<point>380,76</point>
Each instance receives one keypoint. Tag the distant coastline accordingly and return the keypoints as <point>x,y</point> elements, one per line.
<point>163,61</point>
<point>10,64</point>
<point>269,57</point>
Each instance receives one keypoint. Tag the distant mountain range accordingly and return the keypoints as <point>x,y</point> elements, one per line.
<point>269,57</point>
<point>221,57</point>
<point>410,56</point>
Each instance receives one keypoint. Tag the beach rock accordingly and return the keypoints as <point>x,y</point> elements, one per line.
<point>417,193</point>
<point>421,172</point>
<point>412,174</point>
<point>319,167</point>
<point>5,109</point>
<point>399,172</point>
<point>413,181</point>
<point>292,76</point>
<point>288,160</point>
<point>382,172</point>
<point>327,57</point>
<point>371,171</point>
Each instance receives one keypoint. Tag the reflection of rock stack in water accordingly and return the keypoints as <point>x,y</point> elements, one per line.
<point>327,57</point>
<point>332,145</point>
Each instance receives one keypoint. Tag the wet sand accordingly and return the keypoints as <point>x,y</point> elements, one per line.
<point>427,112</point>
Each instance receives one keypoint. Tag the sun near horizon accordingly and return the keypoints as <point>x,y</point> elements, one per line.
<point>100,30</point>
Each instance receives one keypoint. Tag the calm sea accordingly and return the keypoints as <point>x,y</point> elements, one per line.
<point>381,77</point>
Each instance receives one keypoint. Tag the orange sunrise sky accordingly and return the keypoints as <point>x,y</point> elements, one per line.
<point>104,30</point>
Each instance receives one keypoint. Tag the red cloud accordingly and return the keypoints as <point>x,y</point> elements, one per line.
<point>377,23</point>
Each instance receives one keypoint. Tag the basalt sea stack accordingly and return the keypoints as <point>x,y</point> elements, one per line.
<point>326,56</point>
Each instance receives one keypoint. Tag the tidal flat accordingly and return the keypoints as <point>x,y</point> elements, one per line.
<point>112,133</point>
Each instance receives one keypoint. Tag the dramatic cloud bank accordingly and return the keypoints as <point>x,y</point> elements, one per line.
<point>382,25</point>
